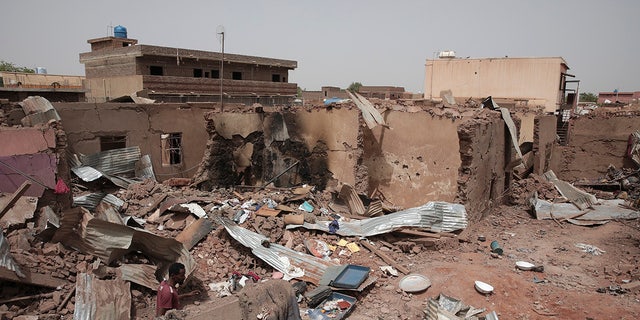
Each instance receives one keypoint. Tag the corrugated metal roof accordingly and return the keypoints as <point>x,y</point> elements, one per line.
<point>101,299</point>
<point>35,104</point>
<point>145,168</point>
<point>579,198</point>
<point>142,274</point>
<point>370,114</point>
<point>283,259</point>
<point>435,216</point>
<point>6,260</point>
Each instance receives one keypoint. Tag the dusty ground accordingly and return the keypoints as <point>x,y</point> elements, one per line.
<point>571,276</point>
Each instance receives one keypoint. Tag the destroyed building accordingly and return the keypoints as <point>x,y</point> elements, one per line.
<point>118,66</point>
<point>271,207</point>
<point>17,86</point>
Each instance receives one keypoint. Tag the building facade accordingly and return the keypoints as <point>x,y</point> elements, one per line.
<point>618,97</point>
<point>118,67</point>
<point>518,81</point>
<point>17,86</point>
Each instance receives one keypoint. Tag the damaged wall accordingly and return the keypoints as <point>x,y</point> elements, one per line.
<point>544,142</point>
<point>595,141</point>
<point>414,162</point>
<point>255,147</point>
<point>485,149</point>
<point>142,125</point>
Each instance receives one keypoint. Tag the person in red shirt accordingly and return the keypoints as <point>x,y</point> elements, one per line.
<point>168,297</point>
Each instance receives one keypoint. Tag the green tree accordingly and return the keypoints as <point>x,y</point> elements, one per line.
<point>10,67</point>
<point>355,87</point>
<point>588,97</point>
<point>299,92</point>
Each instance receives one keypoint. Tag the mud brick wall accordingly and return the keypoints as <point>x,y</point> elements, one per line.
<point>415,161</point>
<point>595,142</point>
<point>544,141</point>
<point>485,148</point>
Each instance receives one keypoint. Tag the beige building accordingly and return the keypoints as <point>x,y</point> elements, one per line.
<point>515,81</point>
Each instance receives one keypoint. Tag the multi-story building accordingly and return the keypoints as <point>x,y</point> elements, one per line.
<point>118,66</point>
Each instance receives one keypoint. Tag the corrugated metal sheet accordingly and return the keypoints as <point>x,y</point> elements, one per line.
<point>283,259</point>
<point>40,118</point>
<point>109,241</point>
<point>6,260</point>
<point>370,114</point>
<point>91,201</point>
<point>35,104</point>
<point>101,299</point>
<point>578,197</point>
<point>142,274</point>
<point>434,216</point>
<point>350,196</point>
<point>87,174</point>
<point>144,169</point>
<point>606,210</point>
<point>113,162</point>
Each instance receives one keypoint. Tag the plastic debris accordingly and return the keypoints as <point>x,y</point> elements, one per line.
<point>590,249</point>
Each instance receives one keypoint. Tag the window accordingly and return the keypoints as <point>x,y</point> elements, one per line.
<point>156,71</point>
<point>215,74</point>
<point>275,78</point>
<point>197,73</point>
<point>206,74</point>
<point>113,142</point>
<point>171,149</point>
<point>236,75</point>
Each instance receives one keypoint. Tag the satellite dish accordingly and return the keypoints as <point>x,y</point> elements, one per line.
<point>220,33</point>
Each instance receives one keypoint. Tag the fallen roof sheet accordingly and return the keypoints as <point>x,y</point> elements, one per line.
<point>435,216</point>
<point>6,260</point>
<point>579,198</point>
<point>110,241</point>
<point>283,259</point>
<point>101,299</point>
<point>370,114</point>
<point>35,104</point>
<point>91,201</point>
<point>604,211</point>
<point>118,165</point>
<point>350,196</point>
<point>142,274</point>
<point>506,116</point>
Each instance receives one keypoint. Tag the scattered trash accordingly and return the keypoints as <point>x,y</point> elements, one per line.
<point>536,280</point>
<point>334,226</point>
<point>351,277</point>
<point>445,307</point>
<point>414,283</point>
<point>483,287</point>
<point>590,249</point>
<point>495,247</point>
<point>526,266</point>
<point>389,270</point>
<point>613,289</point>
<point>306,206</point>
<point>336,306</point>
<point>482,238</point>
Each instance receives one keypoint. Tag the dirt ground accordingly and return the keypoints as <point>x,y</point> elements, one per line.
<point>567,289</point>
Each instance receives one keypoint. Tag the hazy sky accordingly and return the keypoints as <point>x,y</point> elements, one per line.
<point>339,42</point>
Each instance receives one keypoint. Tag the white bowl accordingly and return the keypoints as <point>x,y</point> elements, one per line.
<point>483,287</point>
<point>414,283</point>
<point>523,265</point>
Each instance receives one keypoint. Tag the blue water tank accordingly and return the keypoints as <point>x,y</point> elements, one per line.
<point>120,32</point>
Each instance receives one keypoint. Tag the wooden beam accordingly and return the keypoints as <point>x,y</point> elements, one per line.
<point>14,198</point>
<point>384,257</point>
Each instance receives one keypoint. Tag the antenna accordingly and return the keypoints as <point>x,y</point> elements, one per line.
<point>220,35</point>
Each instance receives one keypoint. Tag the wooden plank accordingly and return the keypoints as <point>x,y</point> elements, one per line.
<point>14,198</point>
<point>384,257</point>
<point>37,279</point>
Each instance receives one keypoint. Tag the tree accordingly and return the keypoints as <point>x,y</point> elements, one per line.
<point>299,94</point>
<point>10,67</point>
<point>355,87</point>
<point>588,97</point>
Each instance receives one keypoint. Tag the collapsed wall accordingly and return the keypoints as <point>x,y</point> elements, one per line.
<point>595,141</point>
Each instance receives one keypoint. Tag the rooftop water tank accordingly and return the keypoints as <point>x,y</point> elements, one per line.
<point>449,54</point>
<point>41,70</point>
<point>120,32</point>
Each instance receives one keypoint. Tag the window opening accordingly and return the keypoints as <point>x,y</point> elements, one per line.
<point>113,142</point>
<point>171,149</point>
<point>156,71</point>
<point>275,78</point>
<point>236,75</point>
<point>197,73</point>
<point>215,74</point>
